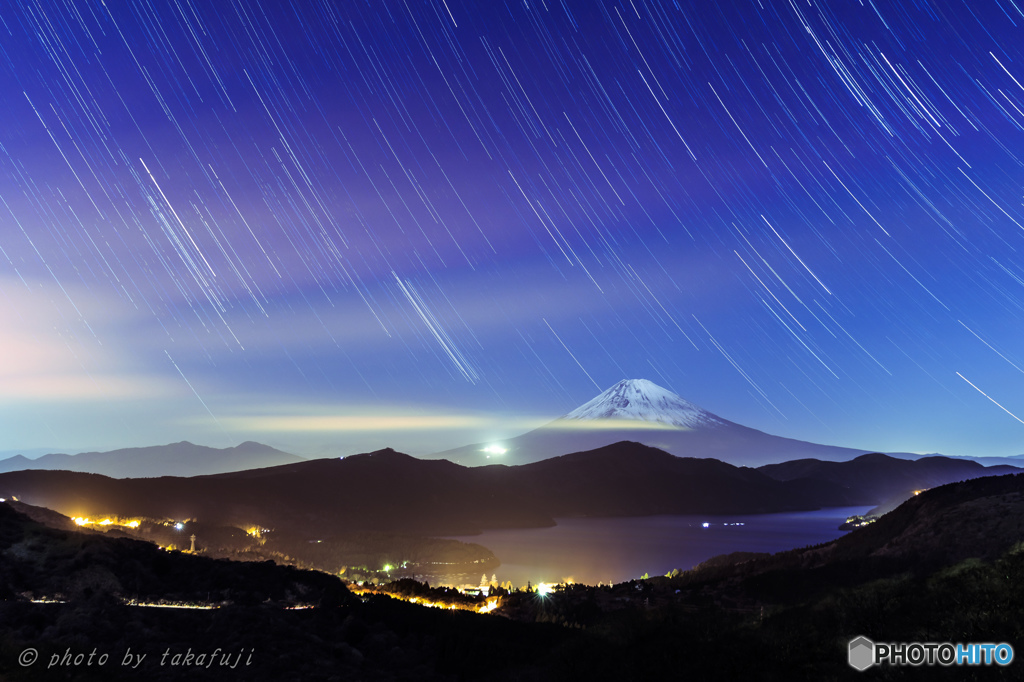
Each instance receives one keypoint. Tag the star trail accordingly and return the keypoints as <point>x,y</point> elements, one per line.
<point>295,222</point>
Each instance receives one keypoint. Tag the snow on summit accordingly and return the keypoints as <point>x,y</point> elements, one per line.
<point>645,401</point>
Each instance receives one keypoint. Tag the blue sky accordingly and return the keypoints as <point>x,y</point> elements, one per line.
<point>334,227</point>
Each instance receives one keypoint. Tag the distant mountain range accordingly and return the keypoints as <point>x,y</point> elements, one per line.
<point>1012,460</point>
<point>176,459</point>
<point>634,410</point>
<point>639,410</point>
<point>391,491</point>
<point>883,478</point>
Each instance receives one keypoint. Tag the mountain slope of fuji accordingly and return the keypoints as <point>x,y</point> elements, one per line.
<point>641,411</point>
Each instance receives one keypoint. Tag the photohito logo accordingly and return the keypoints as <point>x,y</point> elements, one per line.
<point>863,653</point>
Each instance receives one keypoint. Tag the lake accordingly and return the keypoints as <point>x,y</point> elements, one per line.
<point>614,550</point>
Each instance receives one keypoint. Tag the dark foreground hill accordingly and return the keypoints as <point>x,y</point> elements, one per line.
<point>946,566</point>
<point>390,491</point>
<point>95,633</point>
<point>43,562</point>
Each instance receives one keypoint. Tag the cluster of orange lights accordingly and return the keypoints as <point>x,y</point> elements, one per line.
<point>82,521</point>
<point>491,604</point>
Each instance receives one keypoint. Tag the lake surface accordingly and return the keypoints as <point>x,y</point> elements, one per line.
<point>613,550</point>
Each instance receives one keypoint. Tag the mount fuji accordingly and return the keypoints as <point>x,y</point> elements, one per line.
<point>641,411</point>
<point>639,400</point>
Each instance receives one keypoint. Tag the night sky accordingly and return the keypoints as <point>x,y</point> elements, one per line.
<point>339,226</point>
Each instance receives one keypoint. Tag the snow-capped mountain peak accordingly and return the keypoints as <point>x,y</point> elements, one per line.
<point>644,401</point>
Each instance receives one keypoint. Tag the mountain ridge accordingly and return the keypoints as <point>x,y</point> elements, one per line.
<point>387,491</point>
<point>174,459</point>
<point>888,479</point>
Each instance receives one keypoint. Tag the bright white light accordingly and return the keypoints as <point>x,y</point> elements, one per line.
<point>543,589</point>
<point>495,449</point>
<point>706,524</point>
<point>179,525</point>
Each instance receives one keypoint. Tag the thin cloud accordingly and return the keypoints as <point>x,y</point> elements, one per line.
<point>323,423</point>
<point>612,425</point>
<point>344,419</point>
<point>49,356</point>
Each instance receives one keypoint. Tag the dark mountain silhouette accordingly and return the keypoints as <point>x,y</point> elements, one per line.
<point>978,518</point>
<point>878,478</point>
<point>175,459</point>
<point>641,411</point>
<point>630,479</point>
<point>391,491</point>
<point>958,524</point>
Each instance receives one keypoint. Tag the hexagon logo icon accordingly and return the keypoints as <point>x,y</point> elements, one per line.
<point>862,653</point>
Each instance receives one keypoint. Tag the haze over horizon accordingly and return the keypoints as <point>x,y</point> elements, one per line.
<point>336,227</point>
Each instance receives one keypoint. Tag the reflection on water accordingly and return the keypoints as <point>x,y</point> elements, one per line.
<point>618,549</point>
